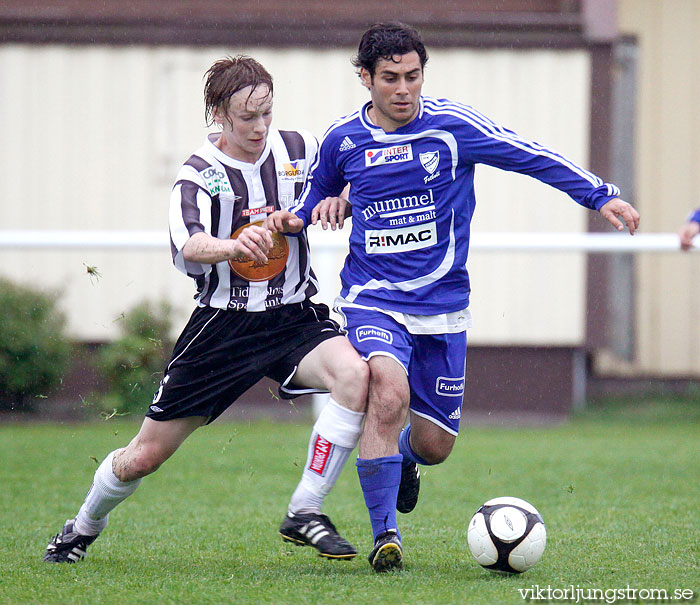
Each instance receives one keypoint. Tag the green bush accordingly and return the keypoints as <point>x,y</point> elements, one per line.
<point>133,364</point>
<point>34,350</point>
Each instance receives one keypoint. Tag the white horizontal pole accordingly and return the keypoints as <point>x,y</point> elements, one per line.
<point>540,242</point>
<point>576,242</point>
<point>84,239</point>
<point>338,241</point>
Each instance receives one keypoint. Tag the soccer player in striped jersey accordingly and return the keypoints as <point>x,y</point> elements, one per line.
<point>241,330</point>
<point>689,230</point>
<point>410,161</point>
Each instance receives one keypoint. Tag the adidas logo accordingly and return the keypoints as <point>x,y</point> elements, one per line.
<point>155,408</point>
<point>457,414</point>
<point>346,144</point>
<point>314,531</point>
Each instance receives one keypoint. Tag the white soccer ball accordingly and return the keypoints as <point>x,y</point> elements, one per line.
<point>507,534</point>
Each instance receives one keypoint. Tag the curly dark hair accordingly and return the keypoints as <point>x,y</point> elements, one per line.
<point>384,41</point>
<point>226,77</point>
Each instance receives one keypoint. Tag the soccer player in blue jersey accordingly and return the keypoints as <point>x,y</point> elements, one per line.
<point>689,230</point>
<point>410,161</point>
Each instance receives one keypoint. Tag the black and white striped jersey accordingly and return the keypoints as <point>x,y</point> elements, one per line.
<point>216,194</point>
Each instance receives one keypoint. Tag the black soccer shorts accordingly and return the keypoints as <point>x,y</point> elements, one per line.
<point>222,353</point>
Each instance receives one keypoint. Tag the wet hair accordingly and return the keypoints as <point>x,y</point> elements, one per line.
<point>385,41</point>
<point>226,77</point>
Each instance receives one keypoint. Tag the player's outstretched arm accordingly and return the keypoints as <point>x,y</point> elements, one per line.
<point>686,234</point>
<point>253,243</point>
<point>615,209</point>
<point>331,211</point>
<point>283,221</point>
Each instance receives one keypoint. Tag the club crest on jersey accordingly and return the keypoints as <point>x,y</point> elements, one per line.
<point>216,181</point>
<point>373,333</point>
<point>430,160</point>
<point>449,387</point>
<point>389,155</point>
<point>292,170</point>
<point>390,241</point>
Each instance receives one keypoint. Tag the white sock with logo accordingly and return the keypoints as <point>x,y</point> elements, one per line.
<point>105,493</point>
<point>334,436</point>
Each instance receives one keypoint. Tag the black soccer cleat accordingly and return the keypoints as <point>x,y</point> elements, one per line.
<point>310,529</point>
<point>387,554</point>
<point>68,546</point>
<point>409,488</point>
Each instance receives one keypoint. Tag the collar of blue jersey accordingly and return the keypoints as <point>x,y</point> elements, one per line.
<point>364,117</point>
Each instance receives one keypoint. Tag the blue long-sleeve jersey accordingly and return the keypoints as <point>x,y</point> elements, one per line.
<point>412,195</point>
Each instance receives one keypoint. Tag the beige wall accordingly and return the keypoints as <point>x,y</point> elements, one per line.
<point>93,136</point>
<point>667,182</point>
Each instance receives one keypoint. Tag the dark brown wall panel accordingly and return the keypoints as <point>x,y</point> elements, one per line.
<point>277,23</point>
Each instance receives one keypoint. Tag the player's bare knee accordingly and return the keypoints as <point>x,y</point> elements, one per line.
<point>388,392</point>
<point>146,462</point>
<point>434,454</point>
<point>352,384</point>
<point>359,375</point>
<point>138,460</point>
<point>387,409</point>
<point>436,448</point>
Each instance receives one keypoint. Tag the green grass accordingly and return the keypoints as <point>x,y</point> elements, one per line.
<point>619,492</point>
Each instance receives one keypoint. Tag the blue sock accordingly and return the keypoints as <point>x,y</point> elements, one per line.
<point>380,479</point>
<point>406,450</point>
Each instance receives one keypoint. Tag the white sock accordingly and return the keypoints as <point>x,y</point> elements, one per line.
<point>334,436</point>
<point>105,493</point>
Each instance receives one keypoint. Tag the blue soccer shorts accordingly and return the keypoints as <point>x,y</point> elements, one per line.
<point>434,363</point>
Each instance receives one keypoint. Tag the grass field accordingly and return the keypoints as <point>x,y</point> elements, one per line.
<point>619,492</point>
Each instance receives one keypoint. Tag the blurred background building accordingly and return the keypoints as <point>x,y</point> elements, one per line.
<point>101,102</point>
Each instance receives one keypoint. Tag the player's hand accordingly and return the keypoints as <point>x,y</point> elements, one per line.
<point>616,208</point>
<point>283,221</point>
<point>686,234</point>
<point>331,211</point>
<point>253,243</point>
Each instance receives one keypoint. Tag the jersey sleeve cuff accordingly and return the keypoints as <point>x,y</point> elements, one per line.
<point>601,201</point>
<point>603,194</point>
